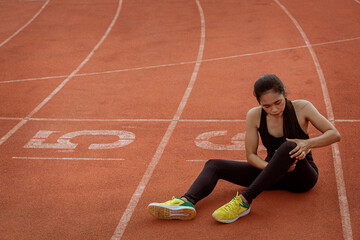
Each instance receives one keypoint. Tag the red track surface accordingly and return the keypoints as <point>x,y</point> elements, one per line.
<point>134,82</point>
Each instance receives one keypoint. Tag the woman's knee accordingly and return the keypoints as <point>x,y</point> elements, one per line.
<point>212,163</point>
<point>283,153</point>
<point>215,166</point>
<point>287,146</point>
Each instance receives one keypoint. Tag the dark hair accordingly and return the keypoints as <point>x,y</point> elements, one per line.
<point>268,82</point>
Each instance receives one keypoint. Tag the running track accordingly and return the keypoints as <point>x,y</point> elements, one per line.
<point>103,105</point>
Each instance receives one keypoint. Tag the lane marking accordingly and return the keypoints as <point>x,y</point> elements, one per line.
<point>343,202</point>
<point>26,24</point>
<point>145,120</point>
<point>198,160</point>
<point>64,158</point>
<point>181,63</point>
<point>33,79</point>
<point>357,1</point>
<point>11,118</point>
<point>99,120</point>
<point>347,120</point>
<point>120,229</point>
<point>212,120</point>
<point>25,120</point>
<point>237,141</point>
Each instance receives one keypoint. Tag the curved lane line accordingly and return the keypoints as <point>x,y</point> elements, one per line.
<point>343,203</point>
<point>120,229</point>
<point>26,119</point>
<point>183,63</point>
<point>26,24</point>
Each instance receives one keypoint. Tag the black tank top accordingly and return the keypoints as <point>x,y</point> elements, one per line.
<point>291,128</point>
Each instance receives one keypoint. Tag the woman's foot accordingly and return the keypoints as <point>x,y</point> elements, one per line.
<point>232,211</point>
<point>176,208</point>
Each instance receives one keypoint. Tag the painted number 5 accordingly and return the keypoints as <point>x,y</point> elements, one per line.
<point>38,141</point>
<point>237,141</point>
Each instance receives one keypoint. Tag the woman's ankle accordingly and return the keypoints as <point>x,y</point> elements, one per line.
<point>185,199</point>
<point>244,199</point>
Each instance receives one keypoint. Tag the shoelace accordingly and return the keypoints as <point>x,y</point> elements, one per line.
<point>231,205</point>
<point>174,200</point>
<point>170,201</point>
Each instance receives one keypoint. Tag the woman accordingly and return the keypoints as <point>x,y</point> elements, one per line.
<point>283,128</point>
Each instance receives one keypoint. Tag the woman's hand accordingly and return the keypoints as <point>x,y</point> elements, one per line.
<point>301,150</point>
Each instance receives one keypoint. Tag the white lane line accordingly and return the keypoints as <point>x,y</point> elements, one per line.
<point>64,158</point>
<point>198,160</point>
<point>24,121</point>
<point>343,202</point>
<point>212,120</point>
<point>26,24</point>
<point>347,120</point>
<point>336,41</point>
<point>99,120</point>
<point>357,1</point>
<point>181,63</point>
<point>11,118</point>
<point>32,79</point>
<point>146,120</point>
<point>120,229</point>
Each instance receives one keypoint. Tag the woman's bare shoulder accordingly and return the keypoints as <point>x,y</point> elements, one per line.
<point>253,117</point>
<point>254,112</point>
<point>301,104</point>
<point>304,109</point>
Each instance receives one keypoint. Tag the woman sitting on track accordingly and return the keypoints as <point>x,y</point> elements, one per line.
<point>283,128</point>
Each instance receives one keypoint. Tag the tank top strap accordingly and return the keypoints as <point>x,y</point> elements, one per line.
<point>263,124</point>
<point>291,126</point>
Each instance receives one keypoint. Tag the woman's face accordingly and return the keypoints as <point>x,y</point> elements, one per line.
<point>273,103</point>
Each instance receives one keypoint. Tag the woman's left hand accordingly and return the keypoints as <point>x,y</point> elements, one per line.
<point>301,150</point>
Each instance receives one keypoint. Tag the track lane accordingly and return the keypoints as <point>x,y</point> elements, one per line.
<point>25,25</point>
<point>57,42</point>
<point>131,207</point>
<point>149,34</point>
<point>326,20</point>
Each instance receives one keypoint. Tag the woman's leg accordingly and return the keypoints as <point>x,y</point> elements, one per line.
<point>302,179</point>
<point>276,176</point>
<point>240,173</point>
<point>234,171</point>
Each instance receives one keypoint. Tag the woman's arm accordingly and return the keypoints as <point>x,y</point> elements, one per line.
<point>252,139</point>
<point>329,133</point>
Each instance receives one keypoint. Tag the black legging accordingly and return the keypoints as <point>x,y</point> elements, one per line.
<point>274,176</point>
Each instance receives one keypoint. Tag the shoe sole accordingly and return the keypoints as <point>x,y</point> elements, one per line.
<point>171,212</point>
<point>232,220</point>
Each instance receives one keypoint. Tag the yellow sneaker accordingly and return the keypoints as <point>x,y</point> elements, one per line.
<point>176,208</point>
<point>231,211</point>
